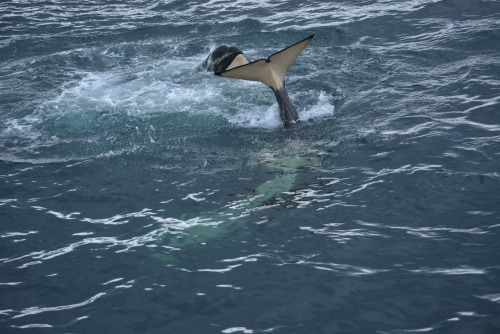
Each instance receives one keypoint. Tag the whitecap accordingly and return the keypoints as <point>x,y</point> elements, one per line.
<point>324,107</point>
<point>343,269</point>
<point>10,283</point>
<point>236,330</point>
<point>494,297</point>
<point>220,270</point>
<point>37,310</point>
<point>463,270</point>
<point>230,286</point>
<point>34,326</point>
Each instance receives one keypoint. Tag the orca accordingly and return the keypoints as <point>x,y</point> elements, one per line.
<point>230,62</point>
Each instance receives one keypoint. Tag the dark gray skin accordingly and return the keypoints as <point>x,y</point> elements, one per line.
<point>288,115</point>
<point>218,61</point>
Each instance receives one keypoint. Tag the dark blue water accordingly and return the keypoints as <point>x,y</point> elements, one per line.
<point>140,195</point>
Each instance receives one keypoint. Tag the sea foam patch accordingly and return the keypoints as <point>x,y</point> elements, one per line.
<point>108,107</point>
<point>174,87</point>
<point>323,107</point>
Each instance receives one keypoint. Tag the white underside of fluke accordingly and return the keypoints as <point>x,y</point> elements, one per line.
<point>239,60</point>
<point>270,71</point>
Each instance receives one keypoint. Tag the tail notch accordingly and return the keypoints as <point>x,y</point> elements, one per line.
<point>272,72</point>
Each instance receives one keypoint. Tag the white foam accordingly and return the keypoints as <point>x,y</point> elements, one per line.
<point>173,86</point>
<point>256,117</point>
<point>323,108</point>
<point>92,106</point>
<point>20,128</point>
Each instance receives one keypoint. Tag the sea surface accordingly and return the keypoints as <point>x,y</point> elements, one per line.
<point>140,194</point>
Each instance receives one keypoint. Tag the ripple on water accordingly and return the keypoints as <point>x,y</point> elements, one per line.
<point>36,310</point>
<point>125,170</point>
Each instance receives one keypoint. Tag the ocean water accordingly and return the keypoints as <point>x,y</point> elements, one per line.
<point>139,194</point>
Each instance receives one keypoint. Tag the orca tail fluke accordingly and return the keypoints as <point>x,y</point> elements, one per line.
<point>272,72</point>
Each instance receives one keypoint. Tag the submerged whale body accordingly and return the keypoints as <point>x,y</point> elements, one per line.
<point>230,62</point>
